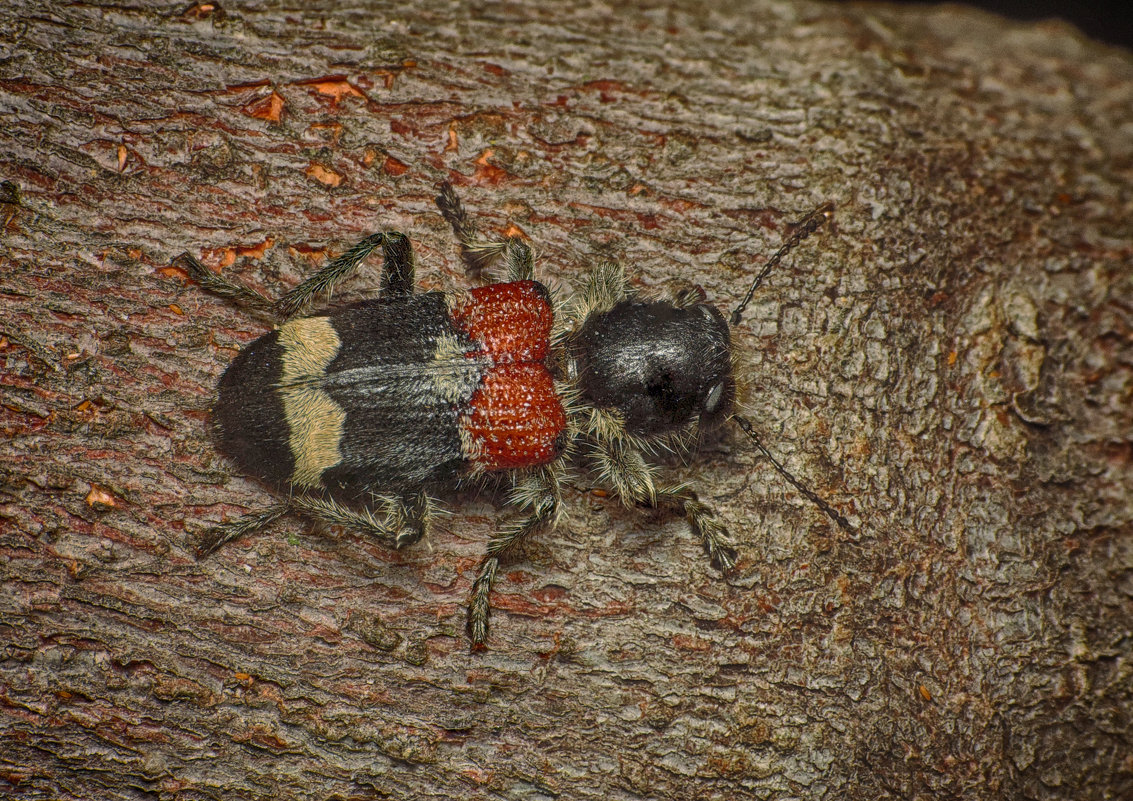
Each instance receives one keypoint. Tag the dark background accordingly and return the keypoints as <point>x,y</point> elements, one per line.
<point>1106,21</point>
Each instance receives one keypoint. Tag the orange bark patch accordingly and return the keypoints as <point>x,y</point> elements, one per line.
<point>335,87</point>
<point>100,497</point>
<point>269,108</point>
<point>488,173</point>
<point>199,10</point>
<point>394,167</point>
<point>324,175</point>
<point>255,251</point>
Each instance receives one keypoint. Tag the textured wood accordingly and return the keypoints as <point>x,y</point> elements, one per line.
<point>950,363</point>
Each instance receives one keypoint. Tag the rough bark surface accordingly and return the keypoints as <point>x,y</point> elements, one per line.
<point>950,363</point>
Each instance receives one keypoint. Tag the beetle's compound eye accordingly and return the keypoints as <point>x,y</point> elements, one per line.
<point>712,400</point>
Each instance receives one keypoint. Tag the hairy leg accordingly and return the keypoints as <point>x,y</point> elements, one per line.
<point>626,472</point>
<point>398,523</point>
<point>397,272</point>
<point>540,492</point>
<point>397,276</point>
<point>477,253</point>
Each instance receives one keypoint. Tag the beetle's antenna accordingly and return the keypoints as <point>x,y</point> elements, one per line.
<point>803,228</point>
<point>836,516</point>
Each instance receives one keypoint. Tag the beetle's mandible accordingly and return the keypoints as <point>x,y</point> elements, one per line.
<point>363,414</point>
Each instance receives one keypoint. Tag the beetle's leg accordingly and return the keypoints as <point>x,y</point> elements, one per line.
<point>477,253</point>
<point>397,274</point>
<point>218,285</point>
<point>703,521</point>
<point>398,271</point>
<point>606,288</point>
<point>225,533</point>
<point>453,211</point>
<point>688,296</point>
<point>625,471</point>
<point>519,259</point>
<point>478,604</point>
<point>401,521</point>
<point>631,477</point>
<point>540,491</point>
<point>415,514</point>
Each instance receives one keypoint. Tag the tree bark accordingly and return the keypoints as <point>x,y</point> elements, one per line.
<point>950,364</point>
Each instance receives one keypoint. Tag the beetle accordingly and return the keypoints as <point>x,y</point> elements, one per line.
<point>361,415</point>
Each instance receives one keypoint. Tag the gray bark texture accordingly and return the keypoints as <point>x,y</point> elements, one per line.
<point>949,363</point>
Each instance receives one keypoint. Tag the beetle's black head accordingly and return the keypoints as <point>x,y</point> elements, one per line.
<point>660,365</point>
